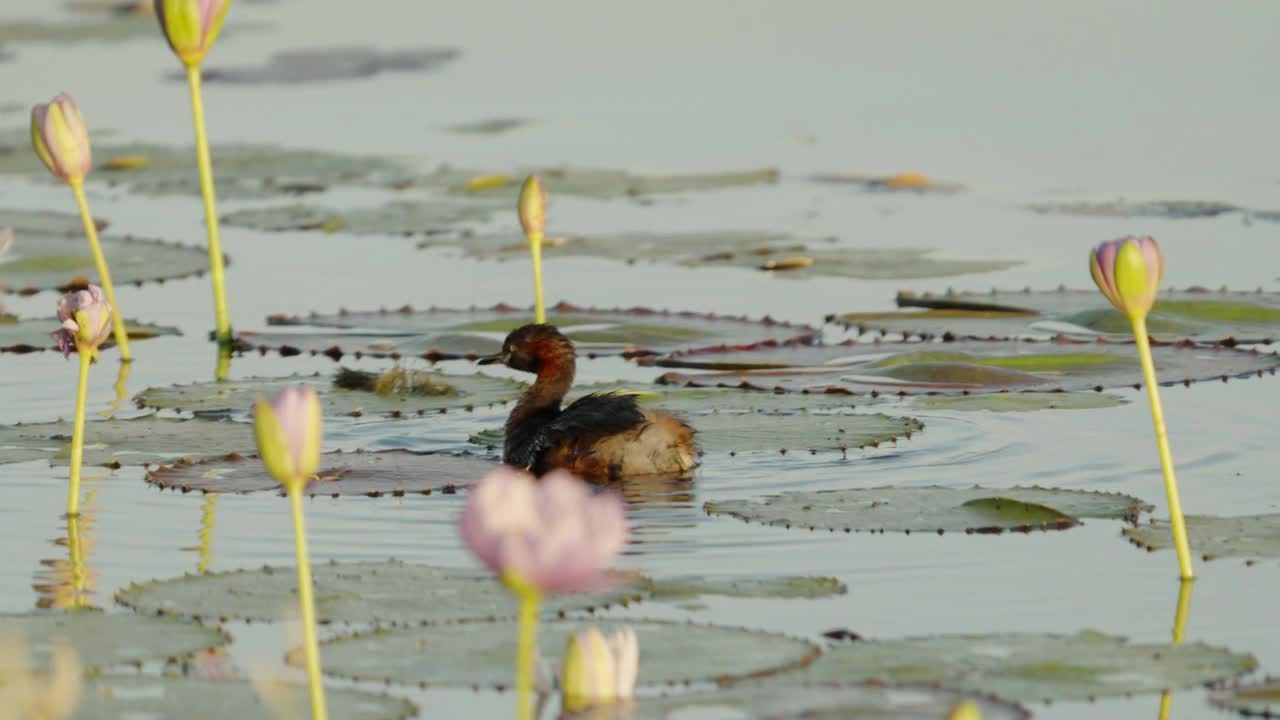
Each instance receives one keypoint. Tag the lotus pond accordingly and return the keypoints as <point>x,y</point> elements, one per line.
<point>928,471</point>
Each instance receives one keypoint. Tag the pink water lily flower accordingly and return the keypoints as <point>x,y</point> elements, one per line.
<point>86,321</point>
<point>1128,272</point>
<point>552,533</point>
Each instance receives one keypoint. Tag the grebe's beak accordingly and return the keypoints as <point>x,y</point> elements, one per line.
<point>496,359</point>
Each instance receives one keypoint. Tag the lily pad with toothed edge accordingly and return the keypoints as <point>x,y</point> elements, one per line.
<point>932,509</point>
<point>1255,699</point>
<point>504,186</point>
<point>45,222</point>
<point>320,65</point>
<point>27,335</point>
<point>1018,401</point>
<point>389,592</point>
<point>1160,209</point>
<point>1027,667</point>
<point>54,261</point>
<point>144,440</point>
<point>761,586</point>
<point>399,218</point>
<point>390,473</point>
<point>101,640</point>
<point>1247,536</point>
<point>479,654</point>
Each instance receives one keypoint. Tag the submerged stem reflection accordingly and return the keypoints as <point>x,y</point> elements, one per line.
<point>1179,634</point>
<point>208,513</point>
<point>67,583</point>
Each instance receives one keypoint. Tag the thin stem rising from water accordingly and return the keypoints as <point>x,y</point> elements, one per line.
<point>539,307</point>
<point>306,598</point>
<point>104,274</point>
<point>205,164</point>
<point>77,435</point>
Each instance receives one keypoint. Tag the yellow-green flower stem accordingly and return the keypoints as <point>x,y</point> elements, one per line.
<point>223,368</point>
<point>77,435</point>
<point>1179,634</point>
<point>79,575</point>
<point>535,248</point>
<point>529,598</point>
<point>104,275</point>
<point>208,514</point>
<point>221,316</point>
<point>1162,443</point>
<point>121,387</point>
<point>306,598</point>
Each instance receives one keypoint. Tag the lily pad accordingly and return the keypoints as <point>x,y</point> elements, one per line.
<point>46,222</point>
<point>1160,209</point>
<point>1019,401</point>
<point>504,186</point>
<point>393,473</point>
<point>1257,699</point>
<point>447,392</point>
<point>479,654</point>
<point>317,65</point>
<point>113,697</point>
<point>1247,536</point>
<point>26,335</point>
<point>139,441</point>
<point>440,333</point>
<point>407,218</point>
<point>932,509</point>
<point>1202,315</point>
<point>53,261</point>
<point>762,586</point>
<point>961,367</point>
<point>106,29</point>
<point>389,593</point>
<point>102,640</point>
<point>1028,667</point>
<point>752,702</point>
<point>908,182</point>
<point>489,126</point>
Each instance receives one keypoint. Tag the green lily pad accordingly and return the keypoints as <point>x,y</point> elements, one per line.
<point>393,473</point>
<point>387,593</point>
<point>1160,209</point>
<point>1018,401</point>
<point>52,261</point>
<point>46,222</point>
<point>504,187</point>
<point>1198,314</point>
<point>1247,536</point>
<point>489,126</point>
<point>26,335</point>
<point>479,654</point>
<point>145,440</point>
<point>961,367</point>
<point>439,333</point>
<point>106,29</point>
<point>407,218</point>
<point>1028,667</point>
<point>316,65</point>
<point>932,509</point>
<point>752,702</point>
<point>784,255</point>
<point>1257,699</point>
<point>102,640</point>
<point>763,586</point>
<point>113,697</point>
<point>447,392</point>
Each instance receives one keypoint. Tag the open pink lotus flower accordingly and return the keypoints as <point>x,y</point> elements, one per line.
<point>553,533</point>
<point>86,321</point>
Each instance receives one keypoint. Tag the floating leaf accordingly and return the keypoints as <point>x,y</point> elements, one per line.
<point>112,697</point>
<point>479,654</point>
<point>961,367</point>
<point>102,640</point>
<point>587,182</point>
<point>1027,667</point>
<point>1018,401</point>
<point>408,218</point>
<point>354,593</point>
<point>763,586</point>
<point>439,333</point>
<point>107,29</point>
<point>317,65</point>
<point>45,222</point>
<point>393,473</point>
<point>448,392</point>
<point>1257,699</point>
<point>1247,536</point>
<point>932,509</point>
<point>902,182</point>
<point>1161,209</point>
<point>52,261</point>
<point>27,335</point>
<point>139,441</point>
<point>489,126</point>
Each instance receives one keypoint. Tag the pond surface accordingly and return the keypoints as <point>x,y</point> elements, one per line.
<point>1086,101</point>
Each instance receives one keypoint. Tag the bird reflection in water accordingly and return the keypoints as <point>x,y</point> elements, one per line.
<point>658,506</point>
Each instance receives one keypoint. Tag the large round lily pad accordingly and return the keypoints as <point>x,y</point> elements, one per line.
<point>402,217</point>
<point>27,335</point>
<point>139,441</point>
<point>450,333</point>
<point>111,697</point>
<point>932,509</point>
<point>1258,699</point>
<point>101,640</point>
<point>420,393</point>
<point>479,654</point>
<point>56,260</point>
<point>390,593</point>
<point>317,65</point>
<point>1199,314</point>
<point>1248,536</point>
<point>47,222</point>
<point>961,367</point>
<point>1018,401</point>
<point>394,473</point>
<point>1028,667</point>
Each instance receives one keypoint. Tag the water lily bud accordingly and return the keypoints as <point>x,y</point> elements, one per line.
<point>965,710</point>
<point>1128,272</point>
<point>532,207</point>
<point>191,26</point>
<point>289,433</point>
<point>598,670</point>
<point>85,317</point>
<point>60,138</point>
<point>6,240</point>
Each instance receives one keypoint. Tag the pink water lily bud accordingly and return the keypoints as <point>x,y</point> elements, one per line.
<point>553,533</point>
<point>289,429</point>
<point>532,206</point>
<point>191,26</point>
<point>1128,272</point>
<point>60,139</point>
<point>599,669</point>
<point>86,321</point>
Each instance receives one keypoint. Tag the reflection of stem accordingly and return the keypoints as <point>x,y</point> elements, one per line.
<point>79,598</point>
<point>121,387</point>
<point>99,260</point>
<point>1162,442</point>
<point>1179,634</point>
<point>306,599</point>
<point>535,248</point>
<point>222,318</point>
<point>224,362</point>
<point>77,435</point>
<point>529,598</point>
<point>207,513</point>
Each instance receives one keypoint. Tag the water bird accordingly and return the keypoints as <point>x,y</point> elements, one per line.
<point>603,435</point>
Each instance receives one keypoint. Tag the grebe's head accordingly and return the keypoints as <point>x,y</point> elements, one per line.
<point>531,348</point>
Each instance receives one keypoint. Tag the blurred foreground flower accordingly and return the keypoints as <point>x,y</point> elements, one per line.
<point>532,209</point>
<point>86,322</point>
<point>1128,272</point>
<point>598,670</point>
<point>289,432</point>
<point>25,695</point>
<point>965,710</point>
